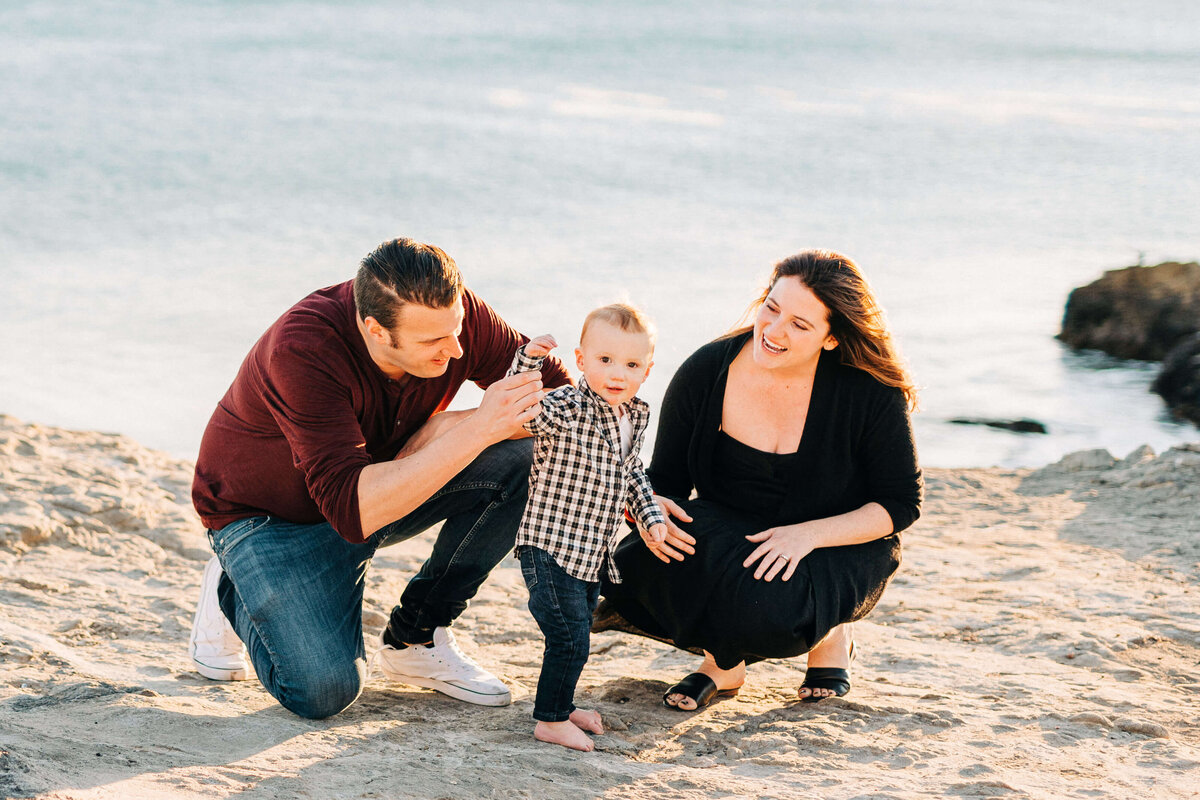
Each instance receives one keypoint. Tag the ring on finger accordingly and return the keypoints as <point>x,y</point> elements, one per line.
<point>783,558</point>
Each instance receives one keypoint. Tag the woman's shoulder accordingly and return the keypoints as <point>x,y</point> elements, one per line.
<point>862,385</point>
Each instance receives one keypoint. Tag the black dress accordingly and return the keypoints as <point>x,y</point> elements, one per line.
<point>856,448</point>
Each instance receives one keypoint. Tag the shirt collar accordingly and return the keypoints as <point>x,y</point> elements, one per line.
<point>632,406</point>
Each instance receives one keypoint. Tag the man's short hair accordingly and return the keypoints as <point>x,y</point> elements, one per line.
<point>404,271</point>
<point>624,316</point>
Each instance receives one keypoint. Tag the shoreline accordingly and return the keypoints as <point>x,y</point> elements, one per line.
<point>1042,639</point>
<point>940,441</point>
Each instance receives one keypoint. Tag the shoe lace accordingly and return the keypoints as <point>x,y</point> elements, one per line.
<point>452,646</point>
<point>464,660</point>
<point>447,655</point>
<point>373,663</point>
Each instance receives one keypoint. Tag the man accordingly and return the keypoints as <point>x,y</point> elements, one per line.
<point>333,441</point>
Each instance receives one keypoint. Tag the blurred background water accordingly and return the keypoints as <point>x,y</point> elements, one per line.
<point>174,175</point>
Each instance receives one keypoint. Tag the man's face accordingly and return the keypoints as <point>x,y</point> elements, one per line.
<point>422,342</point>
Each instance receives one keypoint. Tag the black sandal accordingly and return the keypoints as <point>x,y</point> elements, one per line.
<point>834,678</point>
<point>700,688</point>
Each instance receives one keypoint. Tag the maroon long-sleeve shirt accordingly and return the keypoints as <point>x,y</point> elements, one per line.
<point>309,409</point>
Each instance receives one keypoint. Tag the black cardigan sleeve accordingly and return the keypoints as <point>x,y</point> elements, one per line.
<point>889,458</point>
<point>670,471</point>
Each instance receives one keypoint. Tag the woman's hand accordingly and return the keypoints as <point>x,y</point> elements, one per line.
<point>669,541</point>
<point>780,550</point>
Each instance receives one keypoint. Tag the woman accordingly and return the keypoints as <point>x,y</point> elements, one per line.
<point>794,434</point>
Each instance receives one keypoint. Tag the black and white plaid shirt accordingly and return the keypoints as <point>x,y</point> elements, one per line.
<point>580,484</point>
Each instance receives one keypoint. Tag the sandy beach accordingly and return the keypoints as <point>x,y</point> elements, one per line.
<point>1042,640</point>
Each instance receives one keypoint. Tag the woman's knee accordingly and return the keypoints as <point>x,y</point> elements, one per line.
<point>325,691</point>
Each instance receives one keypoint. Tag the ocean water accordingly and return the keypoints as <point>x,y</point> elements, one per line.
<point>174,175</point>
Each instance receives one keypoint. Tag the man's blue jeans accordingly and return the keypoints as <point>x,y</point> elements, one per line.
<point>562,605</point>
<point>294,592</point>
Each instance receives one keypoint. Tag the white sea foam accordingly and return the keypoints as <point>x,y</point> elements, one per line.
<point>1005,107</point>
<point>583,101</point>
<point>509,98</point>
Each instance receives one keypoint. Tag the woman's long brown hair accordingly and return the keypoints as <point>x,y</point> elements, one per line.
<point>856,319</point>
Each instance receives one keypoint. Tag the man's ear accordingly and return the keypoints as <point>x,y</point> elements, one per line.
<point>376,331</point>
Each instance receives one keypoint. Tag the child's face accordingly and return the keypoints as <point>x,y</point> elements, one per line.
<point>615,362</point>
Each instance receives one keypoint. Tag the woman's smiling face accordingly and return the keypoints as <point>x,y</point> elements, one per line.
<point>791,328</point>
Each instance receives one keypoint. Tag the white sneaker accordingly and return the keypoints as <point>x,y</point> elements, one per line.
<point>216,650</point>
<point>444,668</point>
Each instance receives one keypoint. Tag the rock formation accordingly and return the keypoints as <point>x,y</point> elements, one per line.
<point>1016,425</point>
<point>1136,312</point>
<point>1179,379</point>
<point>1148,313</point>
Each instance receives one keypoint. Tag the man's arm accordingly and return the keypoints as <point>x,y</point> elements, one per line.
<point>435,427</point>
<point>391,490</point>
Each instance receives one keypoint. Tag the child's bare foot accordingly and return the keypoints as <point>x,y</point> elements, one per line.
<point>587,720</point>
<point>564,733</point>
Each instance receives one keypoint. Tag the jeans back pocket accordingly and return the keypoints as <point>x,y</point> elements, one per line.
<point>528,566</point>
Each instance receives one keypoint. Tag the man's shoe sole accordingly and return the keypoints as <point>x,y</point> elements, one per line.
<point>221,674</point>
<point>457,692</point>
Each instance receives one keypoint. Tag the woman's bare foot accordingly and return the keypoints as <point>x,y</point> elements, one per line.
<point>725,679</point>
<point>587,720</point>
<point>564,733</point>
<point>832,651</point>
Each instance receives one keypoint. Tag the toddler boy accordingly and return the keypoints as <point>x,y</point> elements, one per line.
<point>585,473</point>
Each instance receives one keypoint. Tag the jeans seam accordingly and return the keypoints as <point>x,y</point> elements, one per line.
<point>278,668</point>
<point>419,624</point>
<point>530,575</point>
<point>552,587</point>
<point>445,490</point>
<point>280,688</point>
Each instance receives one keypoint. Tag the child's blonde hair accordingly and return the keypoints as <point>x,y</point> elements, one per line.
<point>624,316</point>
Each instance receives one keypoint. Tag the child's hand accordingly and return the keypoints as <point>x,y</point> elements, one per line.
<point>541,346</point>
<point>658,532</point>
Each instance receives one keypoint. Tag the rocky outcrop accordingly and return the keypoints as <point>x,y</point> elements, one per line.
<point>1179,379</point>
<point>1136,312</point>
<point>1148,313</point>
<point>1015,425</point>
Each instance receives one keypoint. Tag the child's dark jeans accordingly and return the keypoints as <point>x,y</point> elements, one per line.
<point>562,605</point>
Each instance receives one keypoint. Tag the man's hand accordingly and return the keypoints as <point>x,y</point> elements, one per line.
<point>507,405</point>
<point>541,346</point>
<point>389,491</point>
